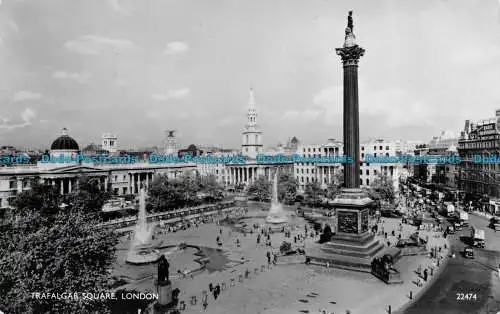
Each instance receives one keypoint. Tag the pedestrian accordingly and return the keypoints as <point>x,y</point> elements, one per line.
<point>425,274</point>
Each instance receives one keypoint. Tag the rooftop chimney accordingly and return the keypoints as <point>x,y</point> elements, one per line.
<point>497,113</point>
<point>467,125</point>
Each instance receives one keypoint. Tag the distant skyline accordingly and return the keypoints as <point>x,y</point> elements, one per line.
<point>136,68</point>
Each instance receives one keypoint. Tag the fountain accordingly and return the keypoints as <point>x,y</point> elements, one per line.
<point>141,249</point>
<point>277,215</point>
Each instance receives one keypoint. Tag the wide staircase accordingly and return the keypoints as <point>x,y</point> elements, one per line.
<point>356,256</point>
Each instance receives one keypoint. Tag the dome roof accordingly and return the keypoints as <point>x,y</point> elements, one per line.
<point>64,142</point>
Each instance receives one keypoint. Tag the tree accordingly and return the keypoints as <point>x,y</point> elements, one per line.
<point>326,235</point>
<point>313,193</point>
<point>210,186</point>
<point>287,188</point>
<point>335,187</point>
<point>382,189</point>
<point>285,247</point>
<point>50,249</point>
<point>260,189</point>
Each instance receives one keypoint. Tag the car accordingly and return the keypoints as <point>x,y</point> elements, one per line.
<point>468,252</point>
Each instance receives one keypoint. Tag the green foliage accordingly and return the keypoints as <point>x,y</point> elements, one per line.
<point>167,194</point>
<point>313,192</point>
<point>260,189</point>
<point>45,248</point>
<point>287,188</point>
<point>285,247</point>
<point>382,189</point>
<point>210,186</point>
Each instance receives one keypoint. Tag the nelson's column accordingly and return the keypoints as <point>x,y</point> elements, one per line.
<point>353,246</point>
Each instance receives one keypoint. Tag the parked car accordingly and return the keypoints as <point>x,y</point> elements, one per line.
<point>468,252</point>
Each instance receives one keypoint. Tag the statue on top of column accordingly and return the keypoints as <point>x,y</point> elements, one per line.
<point>350,24</point>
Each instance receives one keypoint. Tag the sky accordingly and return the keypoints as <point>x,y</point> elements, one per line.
<point>136,68</point>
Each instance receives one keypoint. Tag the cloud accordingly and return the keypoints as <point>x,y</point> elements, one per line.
<point>26,116</point>
<point>172,94</point>
<point>329,100</point>
<point>227,121</point>
<point>120,83</point>
<point>78,77</point>
<point>44,121</point>
<point>475,54</point>
<point>95,45</point>
<point>176,47</point>
<point>121,7</point>
<point>25,95</point>
<point>302,115</point>
<point>13,26</point>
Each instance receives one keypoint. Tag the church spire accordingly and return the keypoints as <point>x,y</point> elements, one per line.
<point>251,99</point>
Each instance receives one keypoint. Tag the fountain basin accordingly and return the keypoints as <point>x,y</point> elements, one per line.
<point>143,255</point>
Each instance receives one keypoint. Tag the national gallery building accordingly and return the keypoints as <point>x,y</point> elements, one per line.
<point>119,179</point>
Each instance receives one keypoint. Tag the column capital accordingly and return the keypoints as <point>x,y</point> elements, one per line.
<point>350,55</point>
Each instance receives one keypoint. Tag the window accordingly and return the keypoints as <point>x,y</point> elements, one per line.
<point>387,148</point>
<point>111,143</point>
<point>367,181</point>
<point>302,171</point>
<point>314,149</point>
<point>380,147</point>
<point>367,172</point>
<point>375,171</point>
<point>302,179</point>
<point>363,155</point>
<point>386,154</point>
<point>360,171</point>
<point>374,147</point>
<point>116,178</point>
<point>362,148</point>
<point>307,171</point>
<point>256,139</point>
<point>309,150</point>
<point>375,155</point>
<point>246,139</point>
<point>246,149</point>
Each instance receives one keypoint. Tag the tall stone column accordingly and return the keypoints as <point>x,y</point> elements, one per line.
<point>350,55</point>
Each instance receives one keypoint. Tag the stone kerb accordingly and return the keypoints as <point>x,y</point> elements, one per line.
<point>419,293</point>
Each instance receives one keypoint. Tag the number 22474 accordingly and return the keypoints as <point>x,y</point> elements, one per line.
<point>466,297</point>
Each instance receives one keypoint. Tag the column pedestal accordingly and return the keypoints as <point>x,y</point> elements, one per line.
<point>164,290</point>
<point>352,247</point>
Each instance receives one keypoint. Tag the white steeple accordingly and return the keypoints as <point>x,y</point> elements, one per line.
<point>252,136</point>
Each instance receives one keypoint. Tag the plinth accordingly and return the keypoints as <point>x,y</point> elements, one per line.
<point>352,247</point>
<point>164,290</point>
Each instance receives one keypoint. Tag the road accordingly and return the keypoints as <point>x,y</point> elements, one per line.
<point>468,276</point>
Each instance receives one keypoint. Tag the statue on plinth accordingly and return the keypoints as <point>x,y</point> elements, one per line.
<point>163,267</point>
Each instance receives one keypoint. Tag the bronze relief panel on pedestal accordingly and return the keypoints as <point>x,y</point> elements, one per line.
<point>348,222</point>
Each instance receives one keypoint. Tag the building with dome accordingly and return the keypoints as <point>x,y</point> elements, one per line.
<point>61,168</point>
<point>64,145</point>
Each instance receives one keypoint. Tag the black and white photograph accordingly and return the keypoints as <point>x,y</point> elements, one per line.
<point>249,157</point>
